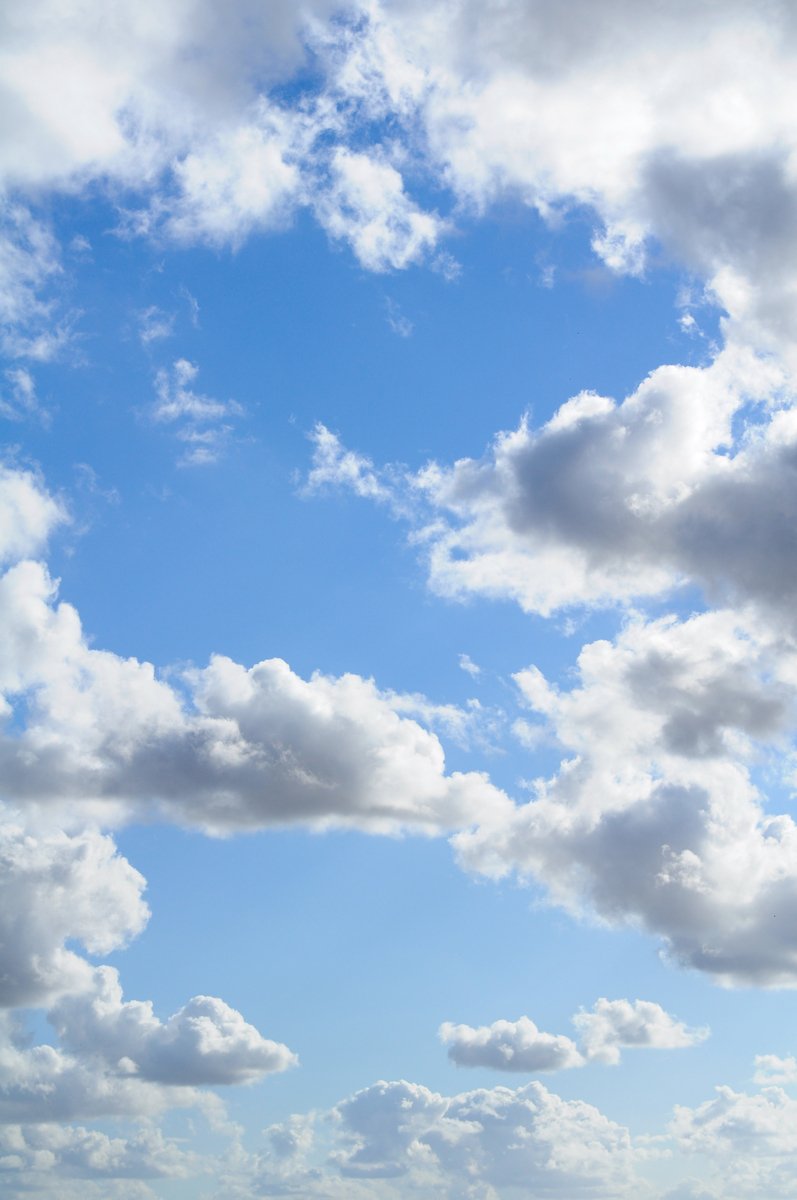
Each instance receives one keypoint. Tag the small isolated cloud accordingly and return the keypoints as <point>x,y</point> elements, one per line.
<point>509,1046</point>
<point>335,466</point>
<point>59,892</point>
<point>18,399</point>
<point>399,324</point>
<point>469,666</point>
<point>611,1026</point>
<point>614,1025</point>
<point>154,324</point>
<point>200,422</point>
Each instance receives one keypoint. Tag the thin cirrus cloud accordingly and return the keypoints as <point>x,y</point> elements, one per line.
<point>611,1025</point>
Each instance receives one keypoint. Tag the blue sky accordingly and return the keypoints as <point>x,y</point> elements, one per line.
<point>398,665</point>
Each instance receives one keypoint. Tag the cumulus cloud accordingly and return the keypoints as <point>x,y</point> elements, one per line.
<point>42,1083</point>
<point>509,1046</point>
<point>609,502</point>
<point>35,1158</point>
<point>59,889</point>
<point>28,513</point>
<point>251,748</point>
<point>751,1138</point>
<point>498,1138</point>
<point>653,818</point>
<point>603,1032</point>
<point>615,1024</point>
<point>205,1042</point>
<point>771,1068</point>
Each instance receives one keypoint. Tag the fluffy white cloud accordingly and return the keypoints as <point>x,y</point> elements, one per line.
<point>751,1138</point>
<point>770,1068</point>
<point>253,748</point>
<point>499,1138</point>
<point>653,818</point>
<point>206,1042</point>
<point>44,1084</point>
<point>509,1046</point>
<point>37,1157</point>
<point>609,502</point>
<point>367,206</point>
<point>28,513</point>
<point>54,890</point>
<point>615,1024</point>
<point>603,1032</point>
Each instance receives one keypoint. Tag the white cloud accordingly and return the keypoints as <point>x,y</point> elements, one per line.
<point>367,206</point>
<point>603,1032</point>
<point>615,1024</point>
<point>154,324</point>
<point>28,513</point>
<point>770,1068</point>
<point>335,466</point>
<point>36,1158</point>
<point>468,665</point>
<point>205,1042</point>
<point>29,265</point>
<point>19,400</point>
<point>751,1138</point>
<point>609,502</point>
<point>241,181</point>
<point>200,421</point>
<point>652,818</point>
<point>499,1139</point>
<point>509,1046</point>
<point>252,749</point>
<point>43,1084</point>
<point>55,890</point>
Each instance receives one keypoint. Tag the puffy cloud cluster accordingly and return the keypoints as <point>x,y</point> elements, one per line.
<point>607,502</point>
<point>603,1032</point>
<point>615,1024</point>
<point>499,1138</point>
<point>32,1156</point>
<point>252,748</point>
<point>58,889</point>
<point>653,817</point>
<point>751,1138</point>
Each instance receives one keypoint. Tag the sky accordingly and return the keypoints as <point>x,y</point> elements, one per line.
<point>398,661</point>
